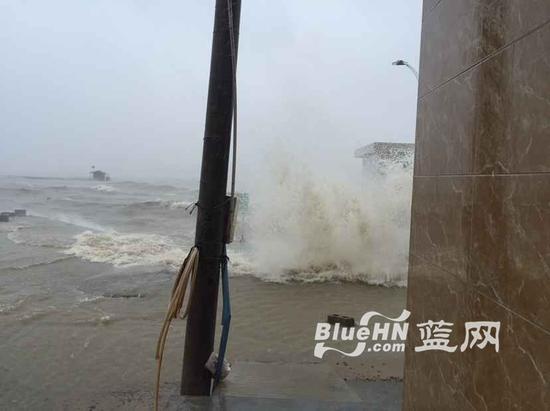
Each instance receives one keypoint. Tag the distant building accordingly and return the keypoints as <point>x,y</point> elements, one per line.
<point>380,156</point>
<point>99,175</point>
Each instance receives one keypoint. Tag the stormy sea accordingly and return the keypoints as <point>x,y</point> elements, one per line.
<point>85,278</point>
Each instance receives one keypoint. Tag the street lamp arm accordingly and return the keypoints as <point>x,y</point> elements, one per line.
<point>404,63</point>
<point>412,69</point>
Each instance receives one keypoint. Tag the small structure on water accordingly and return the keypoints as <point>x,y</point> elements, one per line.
<point>6,215</point>
<point>99,175</point>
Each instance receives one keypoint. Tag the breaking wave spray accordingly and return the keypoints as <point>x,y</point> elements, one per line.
<point>305,225</point>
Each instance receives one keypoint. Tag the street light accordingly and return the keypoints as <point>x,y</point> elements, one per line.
<point>404,63</point>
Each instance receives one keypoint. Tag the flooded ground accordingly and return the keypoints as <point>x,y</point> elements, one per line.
<point>84,283</point>
<point>59,348</point>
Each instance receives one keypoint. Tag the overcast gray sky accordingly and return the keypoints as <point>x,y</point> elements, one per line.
<point>122,84</point>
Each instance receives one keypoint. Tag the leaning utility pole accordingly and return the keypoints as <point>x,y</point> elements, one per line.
<point>212,204</point>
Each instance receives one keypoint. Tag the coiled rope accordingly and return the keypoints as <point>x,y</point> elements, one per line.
<point>184,280</point>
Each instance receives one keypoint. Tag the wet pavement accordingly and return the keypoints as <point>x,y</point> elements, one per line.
<point>289,386</point>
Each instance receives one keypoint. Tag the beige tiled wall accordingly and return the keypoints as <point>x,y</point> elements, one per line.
<point>480,235</point>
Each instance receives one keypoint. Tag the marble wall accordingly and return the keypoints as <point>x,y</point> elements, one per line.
<point>480,235</point>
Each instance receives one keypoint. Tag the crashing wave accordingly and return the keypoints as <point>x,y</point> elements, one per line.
<point>126,249</point>
<point>309,229</point>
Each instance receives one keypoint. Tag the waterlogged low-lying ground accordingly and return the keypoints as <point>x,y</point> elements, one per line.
<point>85,330</point>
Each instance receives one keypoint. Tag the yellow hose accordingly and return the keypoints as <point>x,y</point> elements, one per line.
<point>184,280</point>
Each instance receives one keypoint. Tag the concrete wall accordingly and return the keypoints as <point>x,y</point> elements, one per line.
<point>480,235</point>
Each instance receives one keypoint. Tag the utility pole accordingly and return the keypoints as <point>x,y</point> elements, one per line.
<point>209,237</point>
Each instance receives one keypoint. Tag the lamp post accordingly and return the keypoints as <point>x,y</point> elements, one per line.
<point>404,63</point>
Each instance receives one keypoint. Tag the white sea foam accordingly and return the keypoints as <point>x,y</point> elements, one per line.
<point>126,249</point>
<point>104,188</point>
<point>308,228</point>
<point>89,299</point>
